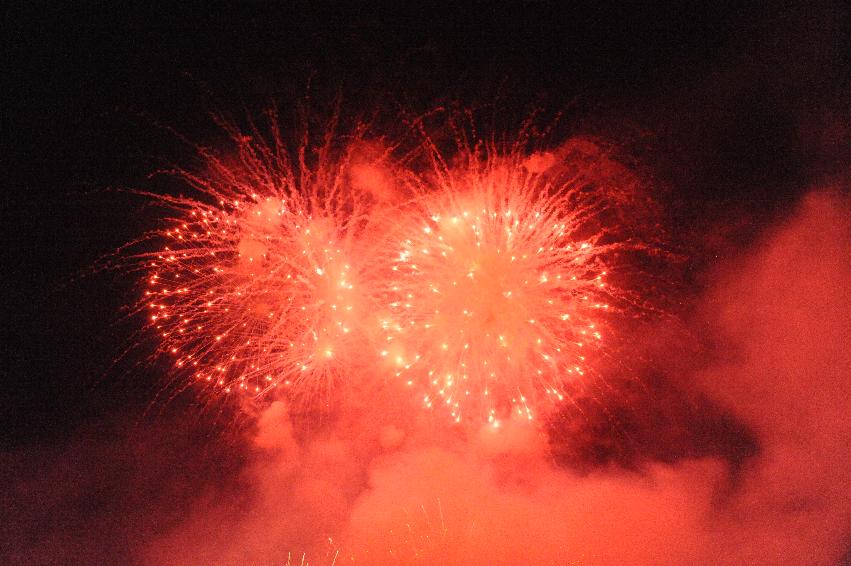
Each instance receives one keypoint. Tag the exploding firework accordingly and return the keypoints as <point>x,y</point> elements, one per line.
<point>478,279</point>
<point>260,281</point>
<point>497,288</point>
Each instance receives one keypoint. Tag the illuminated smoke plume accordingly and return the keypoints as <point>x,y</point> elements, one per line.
<point>376,486</point>
<point>498,498</point>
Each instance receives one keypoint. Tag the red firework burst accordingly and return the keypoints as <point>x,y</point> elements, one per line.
<point>497,297</point>
<point>479,279</point>
<point>261,280</point>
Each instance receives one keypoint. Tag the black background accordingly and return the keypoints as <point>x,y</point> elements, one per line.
<point>735,111</point>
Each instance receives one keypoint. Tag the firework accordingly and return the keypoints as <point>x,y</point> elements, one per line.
<point>259,283</point>
<point>476,279</point>
<point>497,294</point>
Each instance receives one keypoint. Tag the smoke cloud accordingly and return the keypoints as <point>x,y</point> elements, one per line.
<point>385,487</point>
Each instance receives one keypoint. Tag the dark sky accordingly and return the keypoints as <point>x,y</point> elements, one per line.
<point>732,109</point>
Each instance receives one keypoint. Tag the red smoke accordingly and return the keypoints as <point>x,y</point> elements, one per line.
<point>373,481</point>
<point>779,316</point>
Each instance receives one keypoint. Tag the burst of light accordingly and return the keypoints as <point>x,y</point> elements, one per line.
<point>483,288</point>
<point>497,287</point>
<point>259,283</point>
